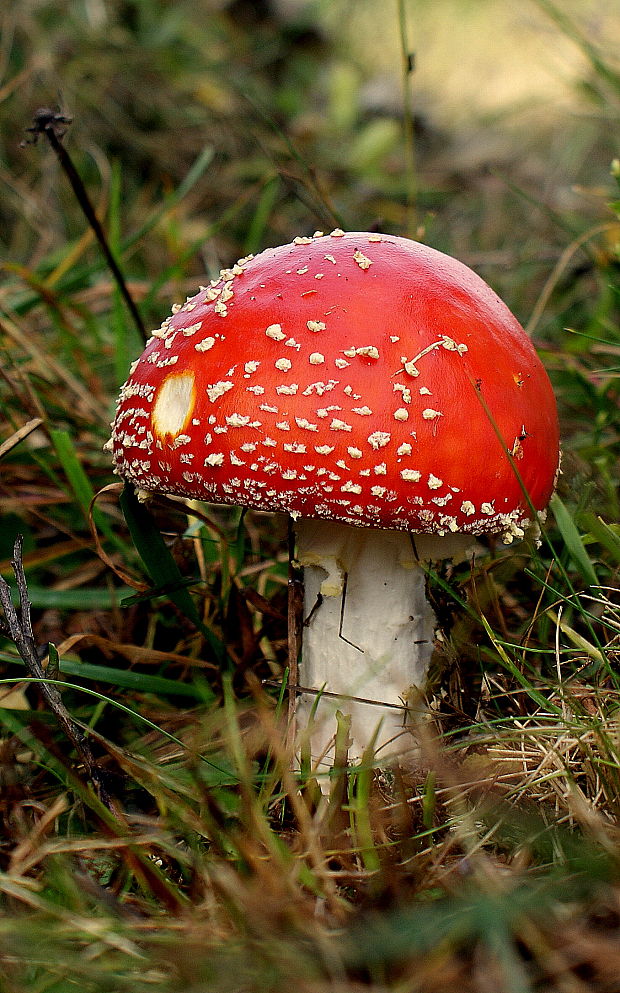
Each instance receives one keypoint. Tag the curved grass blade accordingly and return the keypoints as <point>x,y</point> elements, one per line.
<point>160,565</point>
<point>573,542</point>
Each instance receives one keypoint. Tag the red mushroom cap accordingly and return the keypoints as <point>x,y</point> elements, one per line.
<point>359,377</point>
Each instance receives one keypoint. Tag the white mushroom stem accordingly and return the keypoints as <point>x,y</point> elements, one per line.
<point>368,634</point>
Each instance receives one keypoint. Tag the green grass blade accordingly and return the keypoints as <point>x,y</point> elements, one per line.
<point>510,665</point>
<point>73,469</point>
<point>603,533</point>
<point>80,598</point>
<point>79,482</point>
<point>200,165</point>
<point>229,777</point>
<point>573,541</point>
<point>141,682</point>
<point>160,565</point>
<point>258,224</point>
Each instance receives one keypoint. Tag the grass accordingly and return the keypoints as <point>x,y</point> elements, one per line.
<point>206,864</point>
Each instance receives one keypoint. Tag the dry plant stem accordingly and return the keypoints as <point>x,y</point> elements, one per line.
<point>408,67</point>
<point>18,627</point>
<point>52,125</point>
<point>560,267</point>
<point>19,435</point>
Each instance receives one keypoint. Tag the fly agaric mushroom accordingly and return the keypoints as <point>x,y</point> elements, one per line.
<point>381,394</point>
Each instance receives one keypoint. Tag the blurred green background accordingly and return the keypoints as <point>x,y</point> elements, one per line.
<point>298,104</point>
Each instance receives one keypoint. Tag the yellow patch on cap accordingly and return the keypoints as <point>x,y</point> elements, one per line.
<point>174,404</point>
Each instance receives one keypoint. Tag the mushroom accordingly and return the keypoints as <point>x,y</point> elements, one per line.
<point>380,393</point>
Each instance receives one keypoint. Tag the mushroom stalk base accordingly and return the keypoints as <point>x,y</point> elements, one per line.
<point>368,634</point>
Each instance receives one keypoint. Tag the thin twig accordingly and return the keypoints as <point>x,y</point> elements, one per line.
<point>558,269</point>
<point>17,626</point>
<point>54,125</point>
<point>407,59</point>
<point>295,688</point>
